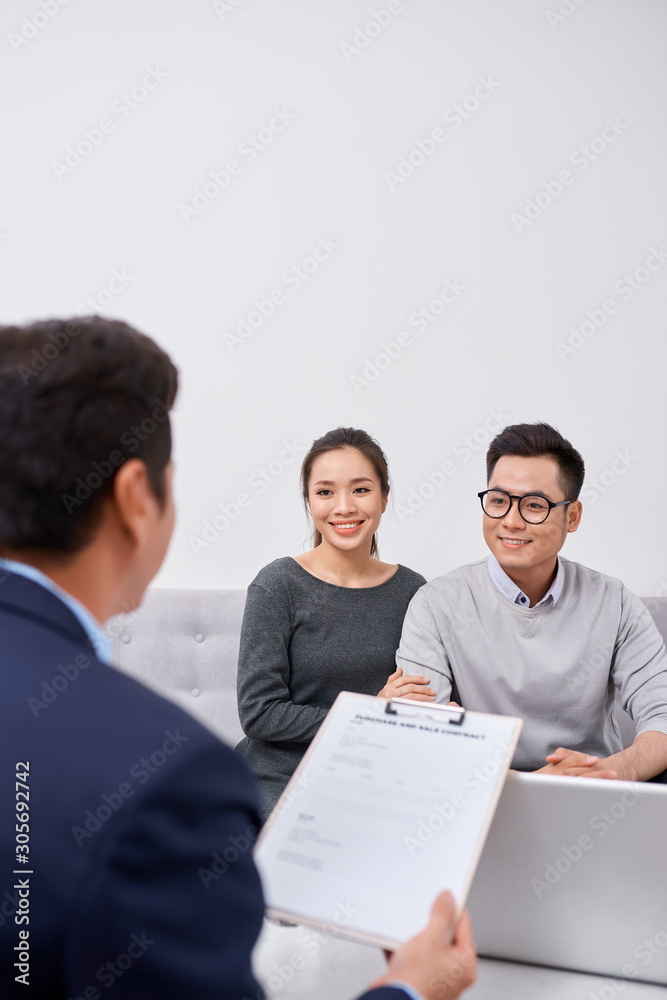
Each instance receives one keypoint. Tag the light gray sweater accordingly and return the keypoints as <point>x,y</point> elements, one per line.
<point>556,667</point>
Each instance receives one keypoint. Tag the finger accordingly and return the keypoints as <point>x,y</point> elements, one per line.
<point>443,912</point>
<point>453,704</point>
<point>584,772</point>
<point>578,760</point>
<point>397,673</point>
<point>414,679</point>
<point>464,934</point>
<point>558,754</point>
<point>412,691</point>
<point>463,947</point>
<point>406,690</point>
<point>582,759</point>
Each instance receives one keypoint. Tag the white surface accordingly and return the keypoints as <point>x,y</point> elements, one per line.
<point>489,357</point>
<point>362,822</point>
<point>295,963</point>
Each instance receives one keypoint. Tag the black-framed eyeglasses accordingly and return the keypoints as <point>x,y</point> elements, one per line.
<point>533,508</point>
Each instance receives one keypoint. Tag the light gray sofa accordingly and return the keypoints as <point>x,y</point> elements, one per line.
<point>184,644</point>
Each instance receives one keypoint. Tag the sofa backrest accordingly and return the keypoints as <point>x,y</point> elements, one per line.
<point>185,643</point>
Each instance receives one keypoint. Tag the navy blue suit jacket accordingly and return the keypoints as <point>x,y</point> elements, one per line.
<point>140,874</point>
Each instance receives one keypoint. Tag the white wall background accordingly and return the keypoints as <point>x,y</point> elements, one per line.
<point>556,72</point>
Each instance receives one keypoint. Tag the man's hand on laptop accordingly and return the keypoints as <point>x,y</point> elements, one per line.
<point>576,764</point>
<point>400,685</point>
<point>436,969</point>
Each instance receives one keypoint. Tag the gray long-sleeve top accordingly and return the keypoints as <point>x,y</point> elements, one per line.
<point>557,667</point>
<point>303,641</point>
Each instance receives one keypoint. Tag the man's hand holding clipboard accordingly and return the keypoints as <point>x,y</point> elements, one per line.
<point>440,962</point>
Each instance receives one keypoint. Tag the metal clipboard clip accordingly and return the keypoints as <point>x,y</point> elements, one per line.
<point>394,704</point>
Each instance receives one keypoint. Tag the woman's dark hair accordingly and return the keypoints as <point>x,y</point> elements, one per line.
<point>533,441</point>
<point>77,399</point>
<point>346,437</point>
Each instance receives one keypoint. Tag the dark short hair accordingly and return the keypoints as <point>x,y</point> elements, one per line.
<point>346,437</point>
<point>534,441</point>
<point>78,398</point>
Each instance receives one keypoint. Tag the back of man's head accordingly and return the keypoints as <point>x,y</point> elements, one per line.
<point>534,441</point>
<point>78,398</point>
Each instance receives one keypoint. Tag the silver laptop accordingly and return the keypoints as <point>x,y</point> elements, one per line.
<point>574,875</point>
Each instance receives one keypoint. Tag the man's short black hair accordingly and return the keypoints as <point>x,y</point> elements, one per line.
<point>77,399</point>
<point>534,441</point>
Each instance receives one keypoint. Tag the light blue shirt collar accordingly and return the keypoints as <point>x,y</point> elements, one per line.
<point>503,583</point>
<point>410,990</point>
<point>98,638</point>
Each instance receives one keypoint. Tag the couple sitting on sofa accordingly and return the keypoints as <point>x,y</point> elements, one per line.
<point>523,632</point>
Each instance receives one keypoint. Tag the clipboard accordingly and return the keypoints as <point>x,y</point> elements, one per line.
<point>391,804</point>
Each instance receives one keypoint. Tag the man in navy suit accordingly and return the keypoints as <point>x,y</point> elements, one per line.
<point>116,805</point>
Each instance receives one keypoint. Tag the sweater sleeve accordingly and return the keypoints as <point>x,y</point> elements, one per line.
<point>265,705</point>
<point>639,666</point>
<point>422,649</point>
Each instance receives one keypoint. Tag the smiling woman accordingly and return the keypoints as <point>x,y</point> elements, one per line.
<point>326,621</point>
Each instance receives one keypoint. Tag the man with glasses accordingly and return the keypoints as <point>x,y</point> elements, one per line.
<point>526,632</point>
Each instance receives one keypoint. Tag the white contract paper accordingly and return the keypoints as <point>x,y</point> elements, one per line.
<point>390,805</point>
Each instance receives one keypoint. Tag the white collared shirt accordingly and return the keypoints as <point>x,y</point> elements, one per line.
<point>507,587</point>
<point>98,638</point>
